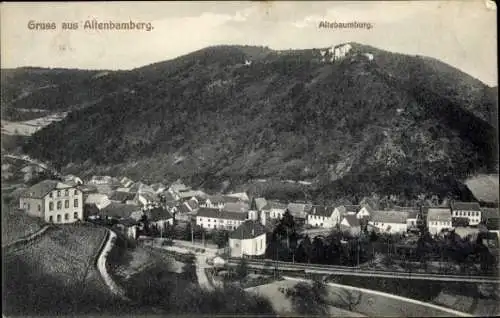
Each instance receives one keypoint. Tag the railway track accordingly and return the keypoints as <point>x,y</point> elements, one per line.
<point>356,271</point>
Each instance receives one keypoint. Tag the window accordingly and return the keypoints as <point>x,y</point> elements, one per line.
<point>51,218</point>
<point>29,207</point>
<point>75,192</point>
<point>51,206</point>
<point>199,220</point>
<point>66,216</point>
<point>39,208</point>
<point>58,218</point>
<point>468,213</point>
<point>66,204</point>
<point>59,205</point>
<point>66,192</point>
<point>76,203</point>
<point>215,225</point>
<point>58,193</point>
<point>50,195</point>
<point>75,215</point>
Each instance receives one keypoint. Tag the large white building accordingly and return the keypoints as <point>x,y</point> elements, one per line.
<point>248,240</point>
<point>53,201</point>
<point>469,210</point>
<point>212,219</point>
<point>389,221</point>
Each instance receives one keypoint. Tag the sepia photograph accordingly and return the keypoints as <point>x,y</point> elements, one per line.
<point>256,158</point>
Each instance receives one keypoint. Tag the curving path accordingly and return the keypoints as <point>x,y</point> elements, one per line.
<point>101,266</point>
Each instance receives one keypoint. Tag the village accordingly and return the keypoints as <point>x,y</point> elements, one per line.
<point>245,227</point>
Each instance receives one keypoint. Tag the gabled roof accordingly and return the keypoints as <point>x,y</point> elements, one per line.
<point>87,188</point>
<point>321,210</point>
<point>119,210</point>
<point>140,187</point>
<point>187,194</point>
<point>351,219</point>
<point>42,188</point>
<point>219,214</point>
<point>465,206</point>
<point>158,214</point>
<point>258,204</point>
<point>216,199</point>
<point>128,222</point>
<point>178,186</point>
<point>248,230</point>
<point>126,182</point>
<point>243,196</point>
<point>299,210</point>
<point>158,187</point>
<point>352,208</point>
<point>438,214</point>
<point>148,196</point>
<point>387,216</point>
<point>121,196</point>
<point>168,196</point>
<point>239,207</point>
<point>272,204</point>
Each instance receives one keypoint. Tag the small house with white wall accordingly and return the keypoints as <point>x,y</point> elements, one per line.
<point>320,216</point>
<point>248,240</point>
<point>438,219</point>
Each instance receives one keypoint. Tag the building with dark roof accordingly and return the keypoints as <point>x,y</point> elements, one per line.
<point>121,197</point>
<point>119,210</point>
<point>53,201</point>
<point>248,240</point>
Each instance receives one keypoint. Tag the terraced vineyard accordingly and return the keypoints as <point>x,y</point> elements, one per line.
<point>16,225</point>
<point>56,274</point>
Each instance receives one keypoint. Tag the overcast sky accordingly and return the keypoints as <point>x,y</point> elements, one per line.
<point>461,33</point>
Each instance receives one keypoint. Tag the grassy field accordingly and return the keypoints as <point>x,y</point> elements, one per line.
<point>16,225</point>
<point>56,274</point>
<point>284,306</point>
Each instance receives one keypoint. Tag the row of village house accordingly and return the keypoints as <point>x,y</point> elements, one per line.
<point>128,201</point>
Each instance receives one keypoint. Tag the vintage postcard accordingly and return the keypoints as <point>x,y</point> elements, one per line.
<point>259,158</point>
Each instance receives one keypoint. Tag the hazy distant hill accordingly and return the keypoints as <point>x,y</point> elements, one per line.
<point>391,124</point>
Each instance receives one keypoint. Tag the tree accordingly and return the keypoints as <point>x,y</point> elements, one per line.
<point>189,268</point>
<point>348,299</point>
<point>309,298</point>
<point>242,269</point>
<point>220,238</point>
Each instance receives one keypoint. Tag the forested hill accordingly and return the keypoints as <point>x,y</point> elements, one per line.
<point>372,121</point>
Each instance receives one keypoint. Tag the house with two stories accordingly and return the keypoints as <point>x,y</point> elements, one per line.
<point>389,221</point>
<point>248,240</point>
<point>273,210</point>
<point>469,210</point>
<point>219,201</point>
<point>320,216</point>
<point>53,201</point>
<point>211,219</point>
<point>438,219</point>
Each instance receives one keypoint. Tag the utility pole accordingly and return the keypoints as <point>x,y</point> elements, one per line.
<point>192,235</point>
